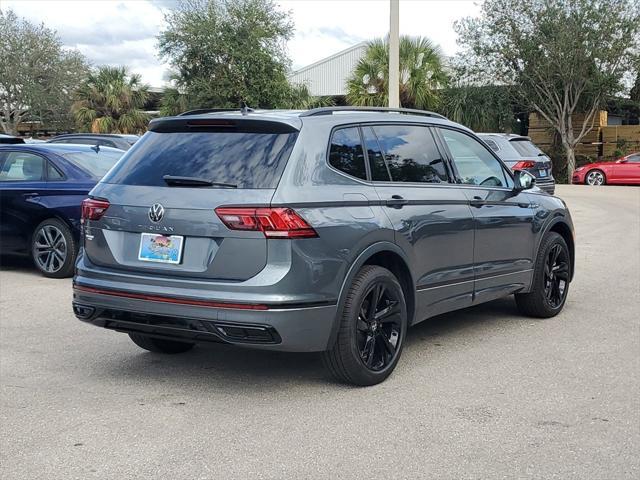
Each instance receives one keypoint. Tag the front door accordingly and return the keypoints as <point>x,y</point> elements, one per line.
<point>504,238</point>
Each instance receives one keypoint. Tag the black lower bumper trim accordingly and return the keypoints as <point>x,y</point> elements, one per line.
<point>185,329</point>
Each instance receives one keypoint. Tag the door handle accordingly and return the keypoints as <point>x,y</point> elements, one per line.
<point>396,201</point>
<point>477,202</point>
<point>524,205</point>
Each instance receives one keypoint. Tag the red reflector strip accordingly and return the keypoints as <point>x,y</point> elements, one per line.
<point>172,300</point>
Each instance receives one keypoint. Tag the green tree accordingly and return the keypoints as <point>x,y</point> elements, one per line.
<point>111,101</point>
<point>227,52</point>
<point>37,76</point>
<point>562,56</point>
<point>488,108</point>
<point>421,74</point>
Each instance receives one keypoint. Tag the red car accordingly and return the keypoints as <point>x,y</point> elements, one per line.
<point>625,170</point>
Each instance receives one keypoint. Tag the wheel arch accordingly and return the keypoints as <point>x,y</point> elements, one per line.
<point>595,169</point>
<point>389,256</point>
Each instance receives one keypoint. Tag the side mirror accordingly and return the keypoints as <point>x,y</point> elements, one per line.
<point>523,180</point>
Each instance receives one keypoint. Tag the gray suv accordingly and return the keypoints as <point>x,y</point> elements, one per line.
<point>330,230</point>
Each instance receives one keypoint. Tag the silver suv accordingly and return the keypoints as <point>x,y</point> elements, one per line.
<point>520,153</point>
<point>330,230</point>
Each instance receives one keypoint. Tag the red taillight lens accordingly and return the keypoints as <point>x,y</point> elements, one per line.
<point>273,222</point>
<point>93,209</point>
<point>523,165</point>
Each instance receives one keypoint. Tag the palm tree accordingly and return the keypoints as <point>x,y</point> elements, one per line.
<point>110,101</point>
<point>421,74</point>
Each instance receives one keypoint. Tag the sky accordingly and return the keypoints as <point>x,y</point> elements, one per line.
<point>118,32</point>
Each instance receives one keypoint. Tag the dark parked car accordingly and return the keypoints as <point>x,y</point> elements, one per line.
<point>520,153</point>
<point>123,142</point>
<point>41,190</point>
<point>9,139</point>
<point>314,231</point>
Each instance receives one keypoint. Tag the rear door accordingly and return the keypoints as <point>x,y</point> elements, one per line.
<point>149,219</point>
<point>431,217</point>
<point>504,237</point>
<point>22,180</point>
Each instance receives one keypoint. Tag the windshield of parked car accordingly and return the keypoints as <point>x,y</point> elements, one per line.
<point>97,164</point>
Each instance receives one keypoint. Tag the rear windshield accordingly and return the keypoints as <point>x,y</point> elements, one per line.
<point>247,160</point>
<point>97,164</point>
<point>525,148</point>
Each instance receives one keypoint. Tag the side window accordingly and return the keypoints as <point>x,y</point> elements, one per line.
<point>106,143</point>
<point>411,154</point>
<point>492,145</point>
<point>379,171</point>
<point>22,166</point>
<point>475,165</point>
<point>53,174</point>
<point>634,159</point>
<point>346,153</point>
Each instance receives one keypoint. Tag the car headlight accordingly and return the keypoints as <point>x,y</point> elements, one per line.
<point>579,169</point>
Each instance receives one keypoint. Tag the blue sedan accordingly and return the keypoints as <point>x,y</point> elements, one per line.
<point>41,191</point>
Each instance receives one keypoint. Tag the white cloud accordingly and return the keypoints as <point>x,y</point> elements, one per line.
<point>123,32</point>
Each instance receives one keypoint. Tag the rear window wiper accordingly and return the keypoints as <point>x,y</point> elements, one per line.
<point>174,180</point>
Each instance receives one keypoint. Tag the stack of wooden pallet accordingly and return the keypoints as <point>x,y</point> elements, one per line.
<point>620,137</point>
<point>542,133</point>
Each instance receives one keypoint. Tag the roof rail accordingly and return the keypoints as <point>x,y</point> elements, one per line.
<point>315,112</point>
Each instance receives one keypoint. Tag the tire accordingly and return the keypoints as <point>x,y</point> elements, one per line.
<point>549,292</point>
<point>160,345</point>
<point>53,249</point>
<point>370,340</point>
<point>595,178</point>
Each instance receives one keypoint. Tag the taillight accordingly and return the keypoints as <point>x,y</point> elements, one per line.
<point>523,165</point>
<point>273,222</point>
<point>93,209</point>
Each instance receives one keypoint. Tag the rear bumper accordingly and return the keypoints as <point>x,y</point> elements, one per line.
<point>548,185</point>
<point>290,328</point>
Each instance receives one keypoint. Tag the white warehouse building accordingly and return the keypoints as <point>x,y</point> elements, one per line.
<point>328,77</point>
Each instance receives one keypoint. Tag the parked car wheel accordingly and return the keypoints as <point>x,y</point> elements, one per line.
<point>54,249</point>
<point>550,279</point>
<point>159,345</point>
<point>372,329</point>
<point>595,177</point>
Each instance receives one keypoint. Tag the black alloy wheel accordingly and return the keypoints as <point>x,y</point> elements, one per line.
<point>379,327</point>
<point>556,275</point>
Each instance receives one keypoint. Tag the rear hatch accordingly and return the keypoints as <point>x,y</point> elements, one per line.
<point>533,160</point>
<point>161,198</point>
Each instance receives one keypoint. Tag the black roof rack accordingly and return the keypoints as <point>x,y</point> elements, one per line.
<point>315,112</point>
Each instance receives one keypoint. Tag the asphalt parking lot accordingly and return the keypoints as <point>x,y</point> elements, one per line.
<point>482,393</point>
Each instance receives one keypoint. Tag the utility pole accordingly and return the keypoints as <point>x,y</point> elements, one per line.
<point>394,54</point>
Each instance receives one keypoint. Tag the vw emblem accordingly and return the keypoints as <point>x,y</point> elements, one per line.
<point>156,212</point>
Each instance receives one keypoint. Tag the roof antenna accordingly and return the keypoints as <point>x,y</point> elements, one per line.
<point>96,148</point>
<point>244,108</point>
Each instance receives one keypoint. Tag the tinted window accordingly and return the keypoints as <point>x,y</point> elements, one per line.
<point>411,154</point>
<point>248,160</point>
<point>379,170</point>
<point>475,165</point>
<point>525,148</point>
<point>633,159</point>
<point>97,164</point>
<point>52,173</point>
<point>492,145</point>
<point>21,166</point>
<point>346,152</point>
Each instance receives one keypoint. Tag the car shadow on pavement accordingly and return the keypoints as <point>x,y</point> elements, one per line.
<point>227,368</point>
<point>16,263</point>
